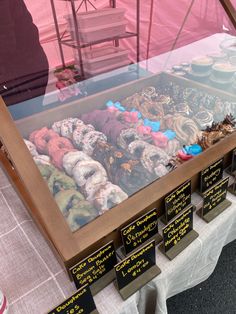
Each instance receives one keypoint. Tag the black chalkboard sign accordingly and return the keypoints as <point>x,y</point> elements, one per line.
<point>95,266</point>
<point>139,231</point>
<point>211,175</point>
<point>80,302</point>
<point>177,201</point>
<point>178,229</point>
<point>135,265</point>
<point>214,196</point>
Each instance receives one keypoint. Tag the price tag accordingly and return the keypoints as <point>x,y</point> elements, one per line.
<point>139,231</point>
<point>79,303</point>
<point>214,196</point>
<point>95,266</point>
<point>135,265</point>
<point>175,231</point>
<point>177,201</point>
<point>211,175</point>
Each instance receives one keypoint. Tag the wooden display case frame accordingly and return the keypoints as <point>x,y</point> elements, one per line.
<point>72,247</point>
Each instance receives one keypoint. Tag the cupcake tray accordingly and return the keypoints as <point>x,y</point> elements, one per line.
<point>69,246</point>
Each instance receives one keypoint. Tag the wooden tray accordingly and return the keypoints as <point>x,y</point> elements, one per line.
<point>71,247</point>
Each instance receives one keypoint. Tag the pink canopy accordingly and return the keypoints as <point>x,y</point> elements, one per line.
<point>160,24</point>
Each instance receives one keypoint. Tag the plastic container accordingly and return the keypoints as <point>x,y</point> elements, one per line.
<point>97,17</point>
<point>3,304</point>
<point>97,58</point>
<point>92,72</point>
<point>93,34</point>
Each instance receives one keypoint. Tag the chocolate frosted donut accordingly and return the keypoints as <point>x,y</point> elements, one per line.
<point>60,181</point>
<point>70,160</point>
<point>108,196</point>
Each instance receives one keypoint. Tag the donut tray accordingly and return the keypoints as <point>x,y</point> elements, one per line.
<point>73,246</point>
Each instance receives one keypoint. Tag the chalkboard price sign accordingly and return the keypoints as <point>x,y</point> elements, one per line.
<point>95,266</point>
<point>139,231</point>
<point>177,201</point>
<point>80,302</point>
<point>175,231</point>
<point>211,175</point>
<point>214,196</point>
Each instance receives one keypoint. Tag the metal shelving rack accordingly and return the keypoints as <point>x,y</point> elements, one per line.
<point>77,44</point>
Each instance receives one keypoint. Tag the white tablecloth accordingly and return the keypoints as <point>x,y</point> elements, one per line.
<point>34,282</point>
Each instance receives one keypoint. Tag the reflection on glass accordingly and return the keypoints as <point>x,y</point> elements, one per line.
<point>96,153</point>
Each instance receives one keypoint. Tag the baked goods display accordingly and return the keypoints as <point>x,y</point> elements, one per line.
<point>95,161</point>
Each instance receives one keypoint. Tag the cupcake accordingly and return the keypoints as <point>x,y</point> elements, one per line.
<point>201,64</point>
<point>223,71</point>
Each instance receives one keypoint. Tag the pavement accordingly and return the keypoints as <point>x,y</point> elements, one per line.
<point>215,295</point>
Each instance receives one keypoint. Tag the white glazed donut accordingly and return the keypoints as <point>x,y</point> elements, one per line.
<point>31,147</point>
<point>89,174</point>
<point>42,160</point>
<point>71,158</point>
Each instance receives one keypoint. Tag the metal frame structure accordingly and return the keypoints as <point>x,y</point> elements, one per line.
<point>77,44</point>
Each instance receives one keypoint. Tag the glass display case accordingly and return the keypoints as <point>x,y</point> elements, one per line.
<point>88,166</point>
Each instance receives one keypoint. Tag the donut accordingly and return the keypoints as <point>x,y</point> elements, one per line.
<point>137,147</point>
<point>161,170</point>
<point>186,129</point>
<point>68,126</point>
<point>71,158</point>
<point>79,133</point>
<point>57,148</point>
<point>46,170</point>
<point>60,181</point>
<point>153,156</point>
<point>108,196</point>
<point>126,137</point>
<point>31,147</point>
<point>203,118</point>
<point>67,199</point>
<point>90,140</point>
<point>81,215</point>
<point>42,160</point>
<point>172,147</point>
<point>89,174</point>
<point>41,138</point>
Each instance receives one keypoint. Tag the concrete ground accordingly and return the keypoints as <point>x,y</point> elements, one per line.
<point>215,295</point>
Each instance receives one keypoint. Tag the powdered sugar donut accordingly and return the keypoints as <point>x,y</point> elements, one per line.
<point>71,158</point>
<point>42,160</point>
<point>90,139</point>
<point>79,133</point>
<point>90,175</point>
<point>31,147</point>
<point>108,196</point>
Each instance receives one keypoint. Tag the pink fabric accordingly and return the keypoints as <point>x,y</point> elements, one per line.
<point>205,19</point>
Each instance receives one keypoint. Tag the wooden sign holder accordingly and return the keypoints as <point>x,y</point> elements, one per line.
<point>179,247</point>
<point>214,212</point>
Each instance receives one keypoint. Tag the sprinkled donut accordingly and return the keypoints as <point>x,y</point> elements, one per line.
<point>79,134</point>
<point>90,139</point>
<point>69,125</point>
